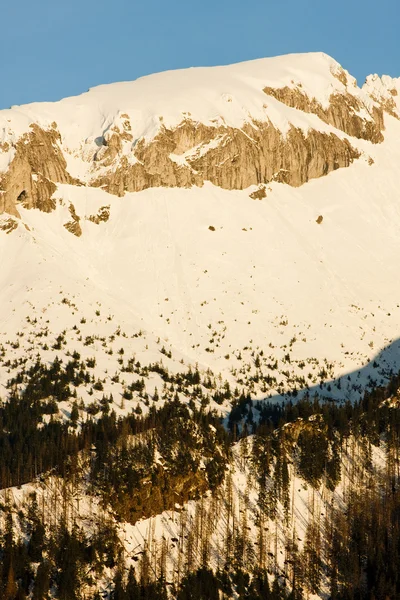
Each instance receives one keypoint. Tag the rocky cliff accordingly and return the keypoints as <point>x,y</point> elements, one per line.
<point>38,164</point>
<point>192,153</point>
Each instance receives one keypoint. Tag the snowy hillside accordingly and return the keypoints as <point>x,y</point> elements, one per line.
<point>176,252</point>
<point>305,275</point>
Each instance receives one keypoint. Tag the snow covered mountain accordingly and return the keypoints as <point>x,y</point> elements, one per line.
<point>224,213</point>
<point>197,240</point>
<point>287,119</point>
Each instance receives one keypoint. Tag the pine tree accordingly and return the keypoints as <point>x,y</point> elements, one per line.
<point>10,589</point>
<point>42,582</point>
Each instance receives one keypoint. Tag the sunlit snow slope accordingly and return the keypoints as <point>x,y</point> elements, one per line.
<point>211,273</point>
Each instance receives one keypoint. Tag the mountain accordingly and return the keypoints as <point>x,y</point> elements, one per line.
<point>210,208</point>
<point>180,249</point>
<point>233,126</point>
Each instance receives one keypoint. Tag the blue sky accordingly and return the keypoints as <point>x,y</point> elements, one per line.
<point>55,48</point>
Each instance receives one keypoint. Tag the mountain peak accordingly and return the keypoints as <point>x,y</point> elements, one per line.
<point>183,128</point>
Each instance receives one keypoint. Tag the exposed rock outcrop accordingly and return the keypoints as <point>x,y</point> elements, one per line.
<point>259,153</point>
<point>341,113</point>
<point>102,216</point>
<point>341,76</point>
<point>8,225</point>
<point>384,91</point>
<point>37,165</point>
<point>186,155</point>
<point>160,492</point>
<point>193,153</point>
<point>73,226</point>
<point>259,193</point>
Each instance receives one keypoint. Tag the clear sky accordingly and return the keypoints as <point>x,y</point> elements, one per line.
<point>50,49</point>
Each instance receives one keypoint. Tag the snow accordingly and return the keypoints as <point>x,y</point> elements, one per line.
<point>266,277</point>
<point>385,87</point>
<point>168,531</point>
<point>267,274</point>
<point>212,275</point>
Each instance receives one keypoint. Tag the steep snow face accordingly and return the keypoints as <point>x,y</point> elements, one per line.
<point>229,94</point>
<point>216,275</point>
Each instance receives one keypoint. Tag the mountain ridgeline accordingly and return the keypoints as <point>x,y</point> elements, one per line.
<point>130,150</point>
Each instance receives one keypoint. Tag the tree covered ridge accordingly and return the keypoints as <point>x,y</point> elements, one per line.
<point>175,453</point>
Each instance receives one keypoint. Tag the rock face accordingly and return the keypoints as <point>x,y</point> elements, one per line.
<point>343,112</point>
<point>192,153</point>
<point>161,492</point>
<point>186,155</point>
<point>37,166</point>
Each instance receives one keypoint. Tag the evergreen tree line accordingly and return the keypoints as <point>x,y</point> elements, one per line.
<point>359,556</point>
